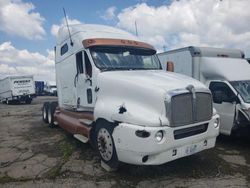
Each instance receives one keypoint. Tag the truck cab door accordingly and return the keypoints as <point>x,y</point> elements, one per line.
<point>224,101</point>
<point>83,81</point>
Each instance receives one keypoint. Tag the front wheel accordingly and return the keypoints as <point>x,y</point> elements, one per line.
<point>105,143</point>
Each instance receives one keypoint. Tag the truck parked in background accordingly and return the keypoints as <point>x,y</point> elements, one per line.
<point>113,93</point>
<point>39,87</point>
<point>226,73</point>
<point>16,89</point>
<point>50,88</point>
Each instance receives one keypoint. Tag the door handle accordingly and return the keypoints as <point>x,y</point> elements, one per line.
<point>75,79</point>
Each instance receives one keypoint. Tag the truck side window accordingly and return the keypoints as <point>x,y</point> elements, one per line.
<point>79,63</point>
<point>223,91</point>
<point>88,65</point>
<point>64,48</point>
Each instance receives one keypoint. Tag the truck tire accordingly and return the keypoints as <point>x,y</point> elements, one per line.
<point>17,102</point>
<point>45,111</point>
<point>28,101</point>
<point>51,111</point>
<point>105,143</point>
<point>8,102</point>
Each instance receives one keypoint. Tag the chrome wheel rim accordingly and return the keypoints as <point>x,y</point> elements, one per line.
<point>44,113</point>
<point>105,144</point>
<point>49,116</point>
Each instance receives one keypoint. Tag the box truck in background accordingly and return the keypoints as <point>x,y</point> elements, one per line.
<point>226,73</point>
<point>113,93</point>
<point>16,89</point>
<point>50,88</point>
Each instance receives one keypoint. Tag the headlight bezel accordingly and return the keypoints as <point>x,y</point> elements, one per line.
<point>159,135</point>
<point>216,122</point>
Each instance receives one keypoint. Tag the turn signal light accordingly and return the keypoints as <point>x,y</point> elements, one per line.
<point>142,133</point>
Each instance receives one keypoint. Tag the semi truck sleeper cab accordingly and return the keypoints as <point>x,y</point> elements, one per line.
<point>113,93</point>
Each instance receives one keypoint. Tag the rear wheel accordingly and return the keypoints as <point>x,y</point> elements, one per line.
<point>17,102</point>
<point>105,143</point>
<point>28,101</point>
<point>45,111</point>
<point>9,101</point>
<point>51,111</point>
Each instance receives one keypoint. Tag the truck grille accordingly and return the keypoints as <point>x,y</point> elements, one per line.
<point>186,110</point>
<point>191,131</point>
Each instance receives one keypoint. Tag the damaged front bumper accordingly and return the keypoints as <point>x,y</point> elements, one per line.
<point>147,148</point>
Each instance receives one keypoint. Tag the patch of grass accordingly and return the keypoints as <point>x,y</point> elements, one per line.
<point>54,172</point>
<point>67,148</point>
<point>7,179</point>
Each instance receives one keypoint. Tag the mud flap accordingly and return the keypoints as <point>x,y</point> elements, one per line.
<point>107,167</point>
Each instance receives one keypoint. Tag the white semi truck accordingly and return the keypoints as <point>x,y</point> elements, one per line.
<point>16,89</point>
<point>113,93</point>
<point>226,73</point>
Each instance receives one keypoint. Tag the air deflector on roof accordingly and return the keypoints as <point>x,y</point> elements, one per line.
<point>115,42</point>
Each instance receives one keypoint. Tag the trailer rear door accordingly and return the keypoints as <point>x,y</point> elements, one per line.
<point>22,86</point>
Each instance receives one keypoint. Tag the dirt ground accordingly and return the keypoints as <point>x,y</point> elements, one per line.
<point>35,155</point>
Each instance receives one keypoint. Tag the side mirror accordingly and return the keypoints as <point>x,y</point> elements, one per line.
<point>217,97</point>
<point>170,66</point>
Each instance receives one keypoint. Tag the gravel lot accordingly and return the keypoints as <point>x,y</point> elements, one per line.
<point>34,155</point>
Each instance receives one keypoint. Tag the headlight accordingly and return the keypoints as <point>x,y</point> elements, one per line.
<point>216,122</point>
<point>159,136</point>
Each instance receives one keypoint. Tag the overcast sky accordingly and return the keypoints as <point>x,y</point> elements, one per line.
<point>28,27</point>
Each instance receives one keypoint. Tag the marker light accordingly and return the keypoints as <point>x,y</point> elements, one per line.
<point>216,122</point>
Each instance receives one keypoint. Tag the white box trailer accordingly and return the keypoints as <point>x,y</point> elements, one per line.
<point>226,73</point>
<point>15,89</point>
<point>113,93</point>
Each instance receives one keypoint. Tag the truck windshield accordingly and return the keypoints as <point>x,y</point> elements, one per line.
<point>243,88</point>
<point>124,58</point>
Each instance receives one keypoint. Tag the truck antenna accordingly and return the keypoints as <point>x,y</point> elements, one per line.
<point>136,32</point>
<point>71,42</point>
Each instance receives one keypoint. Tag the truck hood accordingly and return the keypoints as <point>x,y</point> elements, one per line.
<point>141,93</point>
<point>153,78</point>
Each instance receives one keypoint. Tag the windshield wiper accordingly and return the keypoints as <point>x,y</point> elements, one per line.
<point>126,68</point>
<point>146,68</point>
<point>115,68</point>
